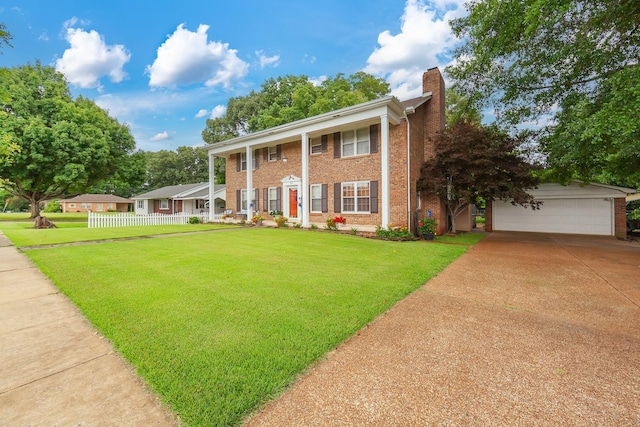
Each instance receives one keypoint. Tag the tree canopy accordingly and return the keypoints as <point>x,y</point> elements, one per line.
<point>575,60</point>
<point>473,162</point>
<point>184,166</point>
<point>65,145</point>
<point>286,99</point>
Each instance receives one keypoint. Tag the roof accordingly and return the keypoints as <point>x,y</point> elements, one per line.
<point>578,190</point>
<point>367,112</point>
<point>97,198</point>
<point>182,192</point>
<point>411,104</point>
<point>168,192</point>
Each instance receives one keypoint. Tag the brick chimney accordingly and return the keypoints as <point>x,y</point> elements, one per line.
<point>433,82</point>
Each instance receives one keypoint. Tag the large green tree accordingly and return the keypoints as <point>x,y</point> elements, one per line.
<point>286,99</point>
<point>128,179</point>
<point>186,165</point>
<point>66,145</point>
<point>7,147</point>
<point>574,60</point>
<point>473,162</point>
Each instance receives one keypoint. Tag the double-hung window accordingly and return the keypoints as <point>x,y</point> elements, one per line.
<point>243,204</point>
<point>273,199</point>
<point>273,153</point>
<point>316,198</point>
<point>85,205</point>
<point>355,142</point>
<point>243,161</point>
<point>356,197</point>
<point>164,204</point>
<point>140,204</point>
<point>316,145</point>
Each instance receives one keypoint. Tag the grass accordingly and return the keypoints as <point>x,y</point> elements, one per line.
<point>219,323</point>
<point>54,216</point>
<point>23,234</point>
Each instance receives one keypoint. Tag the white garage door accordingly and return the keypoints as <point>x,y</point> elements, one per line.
<point>573,216</point>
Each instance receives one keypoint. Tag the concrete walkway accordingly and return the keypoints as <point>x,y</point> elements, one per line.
<point>55,369</point>
<point>522,330</point>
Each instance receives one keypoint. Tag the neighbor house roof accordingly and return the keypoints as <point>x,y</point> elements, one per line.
<point>172,191</point>
<point>97,198</point>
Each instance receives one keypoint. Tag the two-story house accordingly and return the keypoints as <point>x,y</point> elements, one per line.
<point>361,162</point>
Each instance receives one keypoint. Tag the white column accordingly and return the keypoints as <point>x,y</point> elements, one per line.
<point>212,180</point>
<point>305,181</point>
<point>249,182</point>
<point>384,151</point>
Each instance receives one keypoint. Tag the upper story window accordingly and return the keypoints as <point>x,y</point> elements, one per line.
<point>316,145</point>
<point>272,154</point>
<point>355,142</point>
<point>243,161</point>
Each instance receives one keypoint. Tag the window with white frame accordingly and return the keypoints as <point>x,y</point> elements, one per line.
<point>355,197</point>
<point>273,199</point>
<point>316,198</point>
<point>243,161</point>
<point>316,145</point>
<point>140,204</point>
<point>109,205</point>
<point>243,199</point>
<point>273,153</point>
<point>85,205</point>
<point>164,204</point>
<point>355,142</point>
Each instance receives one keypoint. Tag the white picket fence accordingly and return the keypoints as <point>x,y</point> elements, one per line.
<point>96,220</point>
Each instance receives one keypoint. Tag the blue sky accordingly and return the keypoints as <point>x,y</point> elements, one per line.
<point>164,67</point>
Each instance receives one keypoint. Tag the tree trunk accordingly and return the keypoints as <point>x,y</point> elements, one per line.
<point>35,208</point>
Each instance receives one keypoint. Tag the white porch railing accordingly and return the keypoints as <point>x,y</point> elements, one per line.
<point>96,220</point>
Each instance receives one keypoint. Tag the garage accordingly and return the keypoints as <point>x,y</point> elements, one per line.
<point>571,209</point>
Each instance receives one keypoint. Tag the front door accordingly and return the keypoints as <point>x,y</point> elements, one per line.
<point>293,203</point>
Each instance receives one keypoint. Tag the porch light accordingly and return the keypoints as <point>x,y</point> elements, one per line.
<point>284,159</point>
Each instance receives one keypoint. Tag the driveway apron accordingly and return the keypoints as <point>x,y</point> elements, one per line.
<point>56,370</point>
<point>523,329</point>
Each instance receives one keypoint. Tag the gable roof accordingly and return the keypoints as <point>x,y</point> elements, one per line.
<point>168,192</point>
<point>97,198</point>
<point>198,190</point>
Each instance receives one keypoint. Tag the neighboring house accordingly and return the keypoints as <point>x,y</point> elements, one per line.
<point>577,208</point>
<point>96,203</point>
<point>187,198</point>
<point>361,162</point>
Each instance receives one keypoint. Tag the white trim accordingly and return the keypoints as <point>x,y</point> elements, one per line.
<point>303,194</point>
<point>384,166</point>
<point>311,199</point>
<point>250,207</point>
<point>355,197</point>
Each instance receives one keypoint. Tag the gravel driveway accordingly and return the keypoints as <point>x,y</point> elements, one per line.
<point>524,329</point>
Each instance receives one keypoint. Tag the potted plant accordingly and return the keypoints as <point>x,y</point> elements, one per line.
<point>427,228</point>
<point>257,220</point>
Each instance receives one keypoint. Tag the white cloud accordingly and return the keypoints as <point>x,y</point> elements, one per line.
<point>186,58</point>
<point>160,136</point>
<point>267,60</point>
<point>218,111</point>
<point>89,58</point>
<point>317,81</point>
<point>425,38</point>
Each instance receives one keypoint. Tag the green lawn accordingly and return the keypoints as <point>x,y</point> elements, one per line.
<point>219,323</point>
<point>23,233</point>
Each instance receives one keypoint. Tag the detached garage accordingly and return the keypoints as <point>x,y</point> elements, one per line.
<point>595,209</point>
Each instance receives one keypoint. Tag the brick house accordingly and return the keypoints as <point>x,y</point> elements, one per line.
<point>96,203</point>
<point>361,162</point>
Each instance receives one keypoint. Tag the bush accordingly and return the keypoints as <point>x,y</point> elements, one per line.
<point>53,206</point>
<point>395,233</point>
<point>194,220</point>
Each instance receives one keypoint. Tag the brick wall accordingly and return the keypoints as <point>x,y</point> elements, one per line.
<point>620,217</point>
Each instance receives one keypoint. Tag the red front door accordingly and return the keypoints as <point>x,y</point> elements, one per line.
<point>293,203</point>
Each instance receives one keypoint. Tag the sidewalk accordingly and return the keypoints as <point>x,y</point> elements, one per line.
<point>56,369</point>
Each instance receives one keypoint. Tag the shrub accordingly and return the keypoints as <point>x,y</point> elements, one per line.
<point>53,206</point>
<point>395,233</point>
<point>194,220</point>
